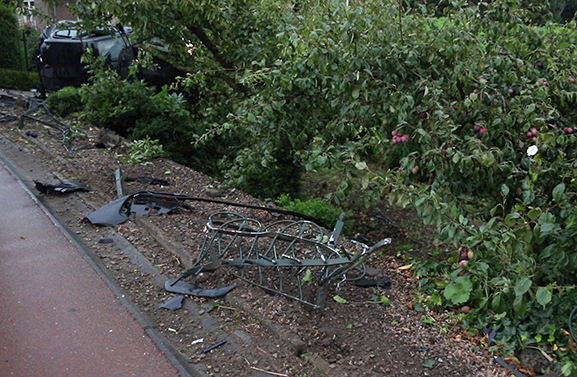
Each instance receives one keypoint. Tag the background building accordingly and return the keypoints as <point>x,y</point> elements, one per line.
<point>45,13</point>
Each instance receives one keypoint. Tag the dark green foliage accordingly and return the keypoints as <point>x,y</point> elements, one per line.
<point>18,80</point>
<point>272,181</point>
<point>10,52</point>
<point>563,10</point>
<point>65,101</point>
<point>167,119</point>
<point>130,108</point>
<point>113,103</point>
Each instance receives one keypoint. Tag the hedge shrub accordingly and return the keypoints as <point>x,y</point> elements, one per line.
<point>18,80</point>
<point>10,52</point>
<point>65,101</point>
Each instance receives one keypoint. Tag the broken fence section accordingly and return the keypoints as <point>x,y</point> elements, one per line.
<point>288,257</point>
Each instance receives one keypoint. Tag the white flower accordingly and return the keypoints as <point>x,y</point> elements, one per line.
<point>532,150</point>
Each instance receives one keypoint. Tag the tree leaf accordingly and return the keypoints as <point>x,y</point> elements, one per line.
<point>522,286</point>
<point>543,296</point>
<point>459,291</point>
<point>429,363</point>
<point>504,190</point>
<point>520,305</point>
<point>339,299</point>
<point>308,276</point>
<point>356,93</point>
<point>558,192</point>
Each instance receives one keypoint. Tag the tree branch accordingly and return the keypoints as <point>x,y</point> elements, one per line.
<point>207,42</point>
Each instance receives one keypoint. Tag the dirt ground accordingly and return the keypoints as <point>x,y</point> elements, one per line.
<point>265,334</point>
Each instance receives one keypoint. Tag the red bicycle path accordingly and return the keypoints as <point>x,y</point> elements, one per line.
<point>58,315</point>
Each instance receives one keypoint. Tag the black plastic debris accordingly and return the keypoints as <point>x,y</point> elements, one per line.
<point>173,303</point>
<point>365,282</point>
<point>143,205</point>
<point>491,333</point>
<point>216,345</point>
<point>106,240</point>
<point>31,133</point>
<point>111,214</point>
<point>63,188</point>
<point>148,181</point>
<point>185,288</point>
<point>140,203</point>
<point>504,364</point>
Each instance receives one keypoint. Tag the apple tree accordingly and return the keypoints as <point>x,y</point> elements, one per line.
<point>470,119</point>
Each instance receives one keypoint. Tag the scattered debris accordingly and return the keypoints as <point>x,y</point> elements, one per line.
<point>214,193</point>
<point>63,188</point>
<point>148,181</point>
<point>268,372</point>
<point>188,289</point>
<point>504,364</point>
<point>364,282</point>
<point>216,345</point>
<point>491,334</point>
<point>173,303</point>
<point>197,341</point>
<point>31,133</point>
<point>106,240</point>
<point>107,139</point>
<point>6,117</point>
<point>41,114</point>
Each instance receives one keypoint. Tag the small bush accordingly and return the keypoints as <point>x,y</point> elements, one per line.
<point>168,120</point>
<point>65,101</point>
<point>318,208</point>
<point>113,103</point>
<point>143,150</point>
<point>18,80</point>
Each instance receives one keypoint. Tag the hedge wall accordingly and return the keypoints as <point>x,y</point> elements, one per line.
<point>18,80</point>
<point>10,51</point>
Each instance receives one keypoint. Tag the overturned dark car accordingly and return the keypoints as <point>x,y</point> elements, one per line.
<point>60,50</point>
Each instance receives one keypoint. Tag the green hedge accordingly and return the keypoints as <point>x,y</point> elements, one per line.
<point>10,57</point>
<point>18,80</point>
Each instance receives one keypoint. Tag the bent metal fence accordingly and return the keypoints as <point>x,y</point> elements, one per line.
<point>292,258</point>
